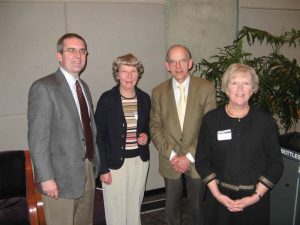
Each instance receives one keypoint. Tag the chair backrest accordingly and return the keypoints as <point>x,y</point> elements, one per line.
<point>12,174</point>
<point>17,180</point>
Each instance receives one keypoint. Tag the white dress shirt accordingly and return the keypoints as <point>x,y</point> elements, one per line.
<point>176,90</point>
<point>71,81</point>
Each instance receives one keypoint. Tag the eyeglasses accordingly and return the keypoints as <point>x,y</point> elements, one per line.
<point>173,63</point>
<point>73,51</point>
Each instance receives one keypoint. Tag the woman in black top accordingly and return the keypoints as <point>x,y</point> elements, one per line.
<point>238,154</point>
<point>122,119</point>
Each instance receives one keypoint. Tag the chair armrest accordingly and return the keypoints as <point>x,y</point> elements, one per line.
<point>34,199</point>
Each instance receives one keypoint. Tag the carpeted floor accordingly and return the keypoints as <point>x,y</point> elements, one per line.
<point>153,212</point>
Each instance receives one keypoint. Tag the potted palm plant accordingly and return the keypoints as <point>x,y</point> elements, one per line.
<point>279,91</point>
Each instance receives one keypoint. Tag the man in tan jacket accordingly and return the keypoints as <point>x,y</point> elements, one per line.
<point>178,106</point>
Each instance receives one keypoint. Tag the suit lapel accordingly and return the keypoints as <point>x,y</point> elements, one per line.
<point>67,96</point>
<point>171,103</point>
<point>189,106</point>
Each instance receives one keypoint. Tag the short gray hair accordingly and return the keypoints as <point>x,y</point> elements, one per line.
<point>188,52</point>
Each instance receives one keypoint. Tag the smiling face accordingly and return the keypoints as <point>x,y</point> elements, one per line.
<point>239,89</point>
<point>179,63</point>
<point>128,77</point>
<point>73,57</point>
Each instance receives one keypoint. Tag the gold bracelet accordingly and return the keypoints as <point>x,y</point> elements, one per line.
<point>258,195</point>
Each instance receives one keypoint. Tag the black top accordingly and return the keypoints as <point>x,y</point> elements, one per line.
<point>112,128</point>
<point>239,152</point>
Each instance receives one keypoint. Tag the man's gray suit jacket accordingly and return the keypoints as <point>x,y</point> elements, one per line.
<point>55,135</point>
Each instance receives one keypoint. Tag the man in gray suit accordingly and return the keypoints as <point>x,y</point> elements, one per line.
<point>62,138</point>
<point>178,106</point>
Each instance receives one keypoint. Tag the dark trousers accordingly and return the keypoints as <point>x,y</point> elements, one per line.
<point>195,194</point>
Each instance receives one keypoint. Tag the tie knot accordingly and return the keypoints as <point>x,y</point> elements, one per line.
<point>181,88</point>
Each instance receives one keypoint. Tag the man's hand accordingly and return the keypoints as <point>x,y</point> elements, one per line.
<point>180,164</point>
<point>49,187</point>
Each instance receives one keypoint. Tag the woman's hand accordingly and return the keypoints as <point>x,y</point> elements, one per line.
<point>106,178</point>
<point>246,201</point>
<point>223,199</point>
<point>229,203</point>
<point>142,139</point>
<point>250,200</point>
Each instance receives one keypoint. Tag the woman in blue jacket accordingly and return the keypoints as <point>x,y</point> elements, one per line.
<point>122,119</point>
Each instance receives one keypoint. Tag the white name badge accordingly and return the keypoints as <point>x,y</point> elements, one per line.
<point>224,135</point>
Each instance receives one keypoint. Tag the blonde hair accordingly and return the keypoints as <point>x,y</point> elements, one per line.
<point>239,68</point>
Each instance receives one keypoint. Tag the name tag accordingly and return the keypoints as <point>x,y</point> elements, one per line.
<point>224,135</point>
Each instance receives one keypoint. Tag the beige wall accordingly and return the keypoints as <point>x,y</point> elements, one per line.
<point>30,29</point>
<point>202,25</point>
<point>29,32</point>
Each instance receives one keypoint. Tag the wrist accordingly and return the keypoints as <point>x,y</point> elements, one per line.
<point>258,195</point>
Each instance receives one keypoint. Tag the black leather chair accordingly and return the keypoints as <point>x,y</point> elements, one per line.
<point>20,203</point>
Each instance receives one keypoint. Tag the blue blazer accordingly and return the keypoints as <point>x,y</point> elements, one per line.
<point>112,127</point>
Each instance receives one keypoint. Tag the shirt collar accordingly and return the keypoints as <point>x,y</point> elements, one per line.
<point>70,78</point>
<point>185,83</point>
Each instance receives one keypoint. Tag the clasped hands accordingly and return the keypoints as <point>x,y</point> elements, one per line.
<point>180,164</point>
<point>238,204</point>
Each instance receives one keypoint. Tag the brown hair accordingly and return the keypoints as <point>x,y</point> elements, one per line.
<point>129,60</point>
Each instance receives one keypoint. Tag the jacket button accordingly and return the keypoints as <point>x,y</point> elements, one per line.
<point>180,139</point>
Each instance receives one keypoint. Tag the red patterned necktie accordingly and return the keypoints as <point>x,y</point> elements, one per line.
<point>85,122</point>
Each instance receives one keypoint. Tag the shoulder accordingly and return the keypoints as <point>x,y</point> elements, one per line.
<point>215,113</point>
<point>46,81</point>
<point>261,115</point>
<point>199,81</point>
<point>162,86</point>
<point>259,111</point>
<point>262,119</point>
<point>108,94</point>
<point>142,94</point>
